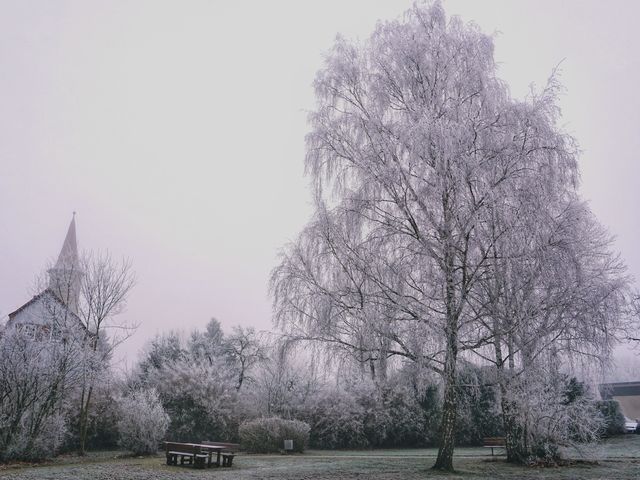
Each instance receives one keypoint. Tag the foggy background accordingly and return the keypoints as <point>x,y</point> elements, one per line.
<point>176,131</point>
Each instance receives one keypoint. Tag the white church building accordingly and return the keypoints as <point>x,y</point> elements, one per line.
<point>55,309</point>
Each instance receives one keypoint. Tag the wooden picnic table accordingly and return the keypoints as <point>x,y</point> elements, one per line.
<point>228,452</point>
<point>211,449</point>
<point>193,447</point>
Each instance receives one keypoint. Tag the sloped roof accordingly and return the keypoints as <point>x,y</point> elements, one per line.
<point>52,295</point>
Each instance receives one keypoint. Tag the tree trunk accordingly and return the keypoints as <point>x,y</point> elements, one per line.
<point>85,402</point>
<point>514,438</point>
<point>84,421</point>
<point>449,408</point>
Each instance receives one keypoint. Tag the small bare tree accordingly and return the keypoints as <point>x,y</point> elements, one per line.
<point>245,349</point>
<point>105,286</point>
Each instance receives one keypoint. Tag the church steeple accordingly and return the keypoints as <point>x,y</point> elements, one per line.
<point>68,256</point>
<point>65,276</point>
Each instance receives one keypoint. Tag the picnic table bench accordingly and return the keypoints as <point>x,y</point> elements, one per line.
<point>226,454</point>
<point>186,453</point>
<point>200,454</point>
<point>493,442</point>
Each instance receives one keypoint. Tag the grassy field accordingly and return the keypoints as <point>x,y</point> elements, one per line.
<point>618,458</point>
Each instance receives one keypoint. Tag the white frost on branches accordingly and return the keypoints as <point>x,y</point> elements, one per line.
<point>143,422</point>
<point>448,223</point>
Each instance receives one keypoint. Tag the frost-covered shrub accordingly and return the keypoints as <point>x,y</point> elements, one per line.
<point>197,383</point>
<point>408,421</point>
<point>550,411</point>
<point>35,378</point>
<point>102,418</point>
<point>266,435</point>
<point>103,421</point>
<point>200,397</point>
<point>478,409</point>
<point>613,417</point>
<point>46,443</point>
<point>337,421</point>
<point>143,422</point>
<point>363,414</point>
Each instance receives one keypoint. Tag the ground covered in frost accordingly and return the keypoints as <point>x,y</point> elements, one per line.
<point>618,458</point>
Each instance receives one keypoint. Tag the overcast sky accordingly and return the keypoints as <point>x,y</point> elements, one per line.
<point>176,130</point>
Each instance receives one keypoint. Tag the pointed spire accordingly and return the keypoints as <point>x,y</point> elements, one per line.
<point>65,276</point>
<point>68,257</point>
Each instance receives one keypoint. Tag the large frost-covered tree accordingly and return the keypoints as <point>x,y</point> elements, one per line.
<point>422,165</point>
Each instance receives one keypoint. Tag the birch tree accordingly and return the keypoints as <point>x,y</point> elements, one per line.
<point>415,144</point>
<point>557,295</point>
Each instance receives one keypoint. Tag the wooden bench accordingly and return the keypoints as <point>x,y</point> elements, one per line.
<point>227,454</point>
<point>493,442</point>
<point>188,454</point>
<point>227,459</point>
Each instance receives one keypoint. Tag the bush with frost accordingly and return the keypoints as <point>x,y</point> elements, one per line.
<point>143,422</point>
<point>266,435</point>
<point>35,380</point>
